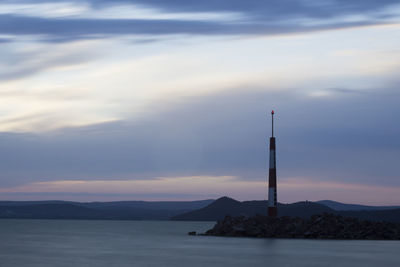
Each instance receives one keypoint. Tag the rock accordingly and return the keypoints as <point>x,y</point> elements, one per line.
<point>324,226</point>
<point>192,233</point>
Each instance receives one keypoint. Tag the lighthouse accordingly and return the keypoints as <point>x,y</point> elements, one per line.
<point>272,194</point>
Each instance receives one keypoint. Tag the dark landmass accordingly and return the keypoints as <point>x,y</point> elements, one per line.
<point>218,209</point>
<point>228,206</point>
<point>203,210</point>
<point>152,205</point>
<point>342,206</point>
<point>157,205</point>
<point>120,210</point>
<point>325,226</point>
<point>60,211</point>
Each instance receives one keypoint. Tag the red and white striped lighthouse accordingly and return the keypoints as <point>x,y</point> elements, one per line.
<point>272,196</point>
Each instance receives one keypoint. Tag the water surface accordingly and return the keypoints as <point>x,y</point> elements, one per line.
<point>61,243</point>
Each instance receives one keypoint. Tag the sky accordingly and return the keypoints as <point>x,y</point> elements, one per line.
<point>170,100</point>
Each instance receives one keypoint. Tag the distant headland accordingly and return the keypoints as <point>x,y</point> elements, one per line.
<point>203,210</point>
<point>300,220</point>
<point>221,207</point>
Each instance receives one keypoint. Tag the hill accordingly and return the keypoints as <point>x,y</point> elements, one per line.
<point>48,211</point>
<point>214,211</point>
<point>121,210</point>
<point>203,210</point>
<point>342,206</point>
<point>228,206</point>
<point>305,209</point>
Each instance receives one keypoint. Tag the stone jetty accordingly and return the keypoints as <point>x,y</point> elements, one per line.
<point>325,226</point>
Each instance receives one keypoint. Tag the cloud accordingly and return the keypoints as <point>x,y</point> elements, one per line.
<point>73,29</point>
<point>88,82</point>
<point>266,9</point>
<point>201,187</point>
<point>187,185</point>
<point>99,27</point>
<point>21,61</point>
<point>155,18</point>
<point>5,40</point>
<point>342,138</point>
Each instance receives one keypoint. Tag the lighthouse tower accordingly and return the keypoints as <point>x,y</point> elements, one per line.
<point>272,196</point>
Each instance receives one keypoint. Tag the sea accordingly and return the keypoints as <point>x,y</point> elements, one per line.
<point>66,243</point>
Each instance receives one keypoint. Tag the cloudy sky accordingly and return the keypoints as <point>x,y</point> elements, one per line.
<point>170,100</point>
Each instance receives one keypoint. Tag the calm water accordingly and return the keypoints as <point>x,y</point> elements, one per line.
<point>137,243</point>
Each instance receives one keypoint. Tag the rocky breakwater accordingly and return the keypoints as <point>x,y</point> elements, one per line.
<point>325,226</point>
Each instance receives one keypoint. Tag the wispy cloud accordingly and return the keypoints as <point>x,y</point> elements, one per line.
<point>221,134</point>
<point>163,188</point>
<point>150,188</point>
<point>157,185</point>
<point>115,10</point>
<point>20,61</point>
<point>76,20</point>
<point>89,82</point>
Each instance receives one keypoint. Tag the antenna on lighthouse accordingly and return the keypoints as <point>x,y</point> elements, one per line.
<point>272,114</point>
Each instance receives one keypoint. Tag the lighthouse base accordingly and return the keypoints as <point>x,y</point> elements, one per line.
<point>272,212</point>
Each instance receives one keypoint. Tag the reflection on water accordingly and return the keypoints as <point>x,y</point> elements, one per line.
<point>141,243</point>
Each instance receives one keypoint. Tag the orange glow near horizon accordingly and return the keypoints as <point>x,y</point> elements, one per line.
<point>289,190</point>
